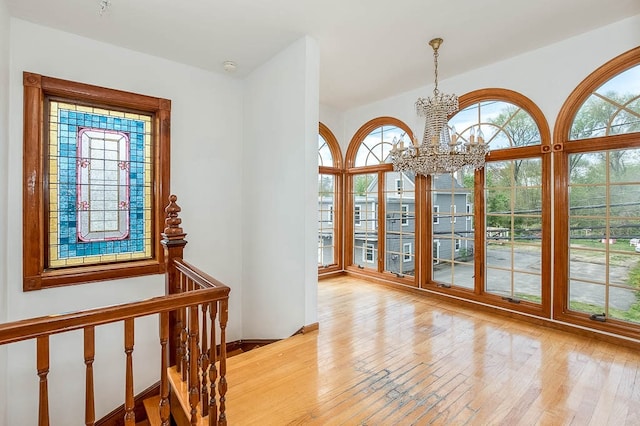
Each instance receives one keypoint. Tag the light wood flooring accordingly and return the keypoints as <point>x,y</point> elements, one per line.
<point>388,357</point>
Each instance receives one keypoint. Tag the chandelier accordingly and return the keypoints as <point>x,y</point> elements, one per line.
<point>442,150</point>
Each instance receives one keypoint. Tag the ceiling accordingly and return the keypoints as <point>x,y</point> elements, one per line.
<point>369,49</point>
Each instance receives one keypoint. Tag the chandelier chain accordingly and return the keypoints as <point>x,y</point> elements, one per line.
<point>435,72</point>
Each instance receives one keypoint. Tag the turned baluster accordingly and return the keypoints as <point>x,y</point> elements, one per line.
<point>204,361</point>
<point>222,383</point>
<point>42,364</point>
<point>213,372</point>
<point>194,387</point>
<point>164,364</point>
<point>173,242</point>
<point>129,415</point>
<point>183,360</point>
<point>89,354</point>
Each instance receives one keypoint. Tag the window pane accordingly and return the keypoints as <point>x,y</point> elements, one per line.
<point>100,185</point>
<point>614,108</point>
<point>326,244</point>
<point>513,196</point>
<point>375,148</point>
<point>324,153</point>
<point>604,224</point>
<point>503,124</point>
<point>399,195</point>
<point>453,233</point>
<point>365,233</point>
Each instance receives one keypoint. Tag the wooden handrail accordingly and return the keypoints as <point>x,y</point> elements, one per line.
<point>202,279</point>
<point>46,325</point>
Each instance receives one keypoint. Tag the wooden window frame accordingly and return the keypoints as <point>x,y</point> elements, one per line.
<point>563,147</point>
<point>337,212</point>
<point>351,171</point>
<point>542,151</point>
<point>36,274</point>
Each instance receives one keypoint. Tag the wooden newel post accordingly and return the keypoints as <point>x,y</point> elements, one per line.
<point>173,242</point>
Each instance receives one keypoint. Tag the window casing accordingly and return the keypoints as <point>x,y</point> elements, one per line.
<point>96,167</point>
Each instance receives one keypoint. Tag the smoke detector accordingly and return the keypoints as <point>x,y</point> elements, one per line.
<point>229,66</point>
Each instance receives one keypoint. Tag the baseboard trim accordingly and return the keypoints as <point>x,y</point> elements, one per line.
<point>116,417</point>
<point>311,327</point>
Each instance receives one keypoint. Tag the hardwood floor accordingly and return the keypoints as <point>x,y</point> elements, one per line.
<point>388,357</point>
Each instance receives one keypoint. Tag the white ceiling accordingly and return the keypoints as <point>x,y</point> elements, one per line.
<point>369,49</point>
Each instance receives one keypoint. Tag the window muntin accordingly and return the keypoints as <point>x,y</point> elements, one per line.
<point>503,124</point>
<point>112,248</point>
<point>99,178</point>
<point>613,108</point>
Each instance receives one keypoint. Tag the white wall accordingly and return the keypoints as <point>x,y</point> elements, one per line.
<point>4,225</point>
<point>546,76</point>
<point>205,174</point>
<point>279,166</point>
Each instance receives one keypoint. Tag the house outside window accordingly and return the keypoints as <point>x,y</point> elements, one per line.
<point>405,214</point>
<point>407,251</point>
<point>367,253</point>
<point>399,186</point>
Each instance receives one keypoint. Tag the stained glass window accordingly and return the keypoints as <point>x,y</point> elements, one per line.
<point>100,185</point>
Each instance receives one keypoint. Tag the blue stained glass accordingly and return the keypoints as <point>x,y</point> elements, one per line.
<point>70,123</point>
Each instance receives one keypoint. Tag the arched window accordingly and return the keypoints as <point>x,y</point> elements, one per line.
<point>597,199</point>
<point>329,202</point>
<point>491,227</point>
<point>382,204</point>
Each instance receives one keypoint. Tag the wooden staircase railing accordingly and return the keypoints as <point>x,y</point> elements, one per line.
<point>190,292</point>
